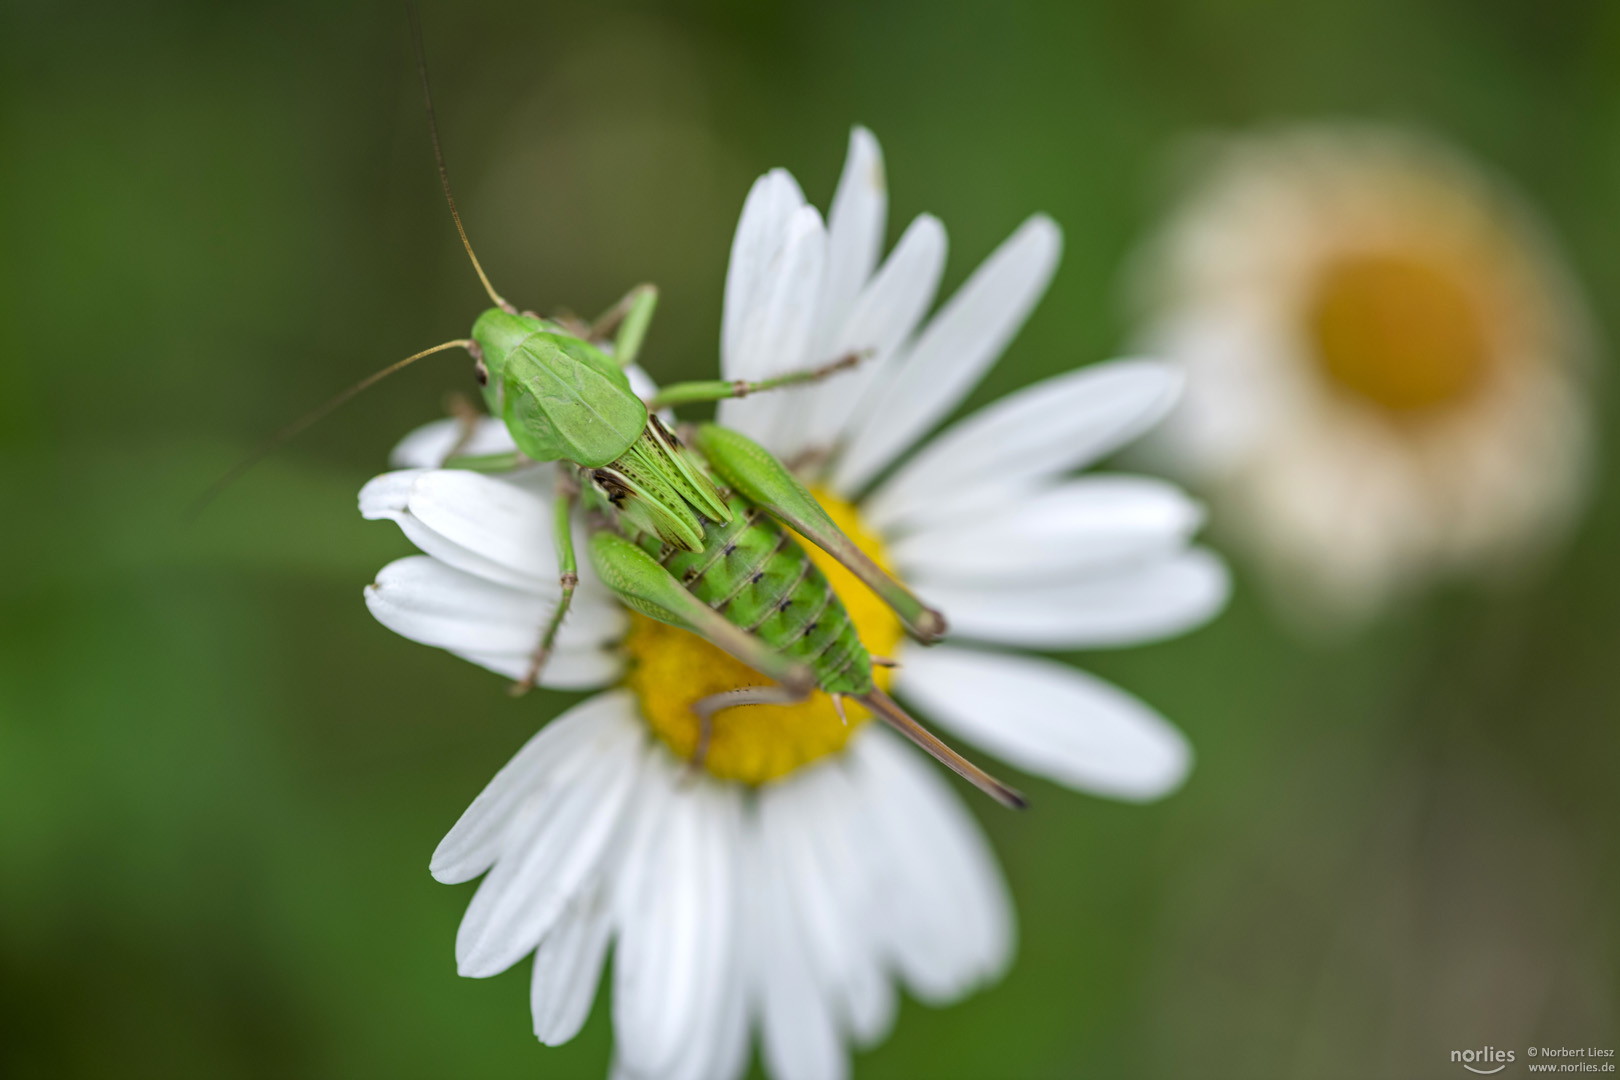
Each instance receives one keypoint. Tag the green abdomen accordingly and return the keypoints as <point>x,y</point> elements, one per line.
<point>754,572</point>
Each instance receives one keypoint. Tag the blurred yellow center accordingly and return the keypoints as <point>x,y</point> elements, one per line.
<point>1399,330</point>
<point>671,669</point>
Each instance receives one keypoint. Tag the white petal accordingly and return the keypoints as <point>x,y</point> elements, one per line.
<point>473,844</point>
<point>427,601</point>
<point>553,846</point>
<point>947,917</point>
<point>1052,427</point>
<point>729,1060</point>
<point>498,528</point>
<point>854,236</point>
<point>676,910</point>
<point>881,321</point>
<point>1155,599</point>
<point>1062,531</point>
<point>809,825</point>
<point>429,444</point>
<point>568,965</point>
<point>773,334</point>
<point>639,1037</point>
<point>1048,719</point>
<point>800,1034</point>
<point>717,1042</point>
<point>431,542</point>
<point>761,231</point>
<point>718,1048</point>
<point>506,520</point>
<point>388,495</point>
<point>567,668</point>
<point>958,346</point>
<point>854,239</point>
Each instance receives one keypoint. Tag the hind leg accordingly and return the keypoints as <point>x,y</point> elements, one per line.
<point>753,472</point>
<point>705,708</point>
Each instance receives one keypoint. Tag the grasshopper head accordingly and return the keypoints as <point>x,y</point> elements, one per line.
<point>561,398</point>
<point>498,333</point>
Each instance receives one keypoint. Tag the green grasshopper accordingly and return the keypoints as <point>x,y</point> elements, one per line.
<point>664,537</point>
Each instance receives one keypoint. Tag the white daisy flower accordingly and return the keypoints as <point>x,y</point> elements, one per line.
<point>1384,364</point>
<point>813,865</point>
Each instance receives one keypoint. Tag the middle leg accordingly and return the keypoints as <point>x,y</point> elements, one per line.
<point>567,577</point>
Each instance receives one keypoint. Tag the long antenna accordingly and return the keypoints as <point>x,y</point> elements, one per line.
<point>269,445</point>
<point>438,155</point>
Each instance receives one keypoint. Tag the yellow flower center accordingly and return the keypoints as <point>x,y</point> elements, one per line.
<point>1401,330</point>
<point>671,669</point>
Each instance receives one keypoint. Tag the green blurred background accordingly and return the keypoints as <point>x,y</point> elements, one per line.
<point>220,780</point>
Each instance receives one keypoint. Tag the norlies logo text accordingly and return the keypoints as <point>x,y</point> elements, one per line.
<point>1485,1056</point>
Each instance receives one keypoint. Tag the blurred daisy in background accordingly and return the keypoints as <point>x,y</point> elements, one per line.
<point>812,865</point>
<point>1385,365</point>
